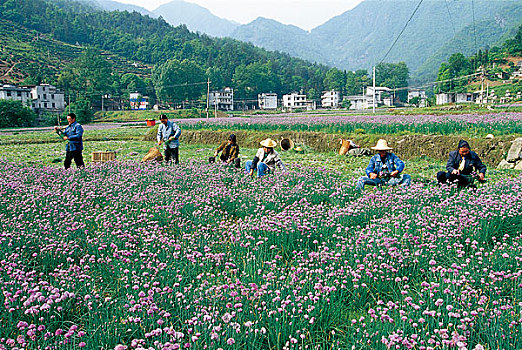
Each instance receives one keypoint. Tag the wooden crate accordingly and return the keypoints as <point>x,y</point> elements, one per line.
<point>100,157</point>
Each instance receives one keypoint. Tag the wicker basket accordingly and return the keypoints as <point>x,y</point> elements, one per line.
<point>101,157</point>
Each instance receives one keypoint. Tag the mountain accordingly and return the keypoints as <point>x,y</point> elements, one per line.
<point>276,36</point>
<point>109,5</point>
<point>361,37</point>
<point>196,18</point>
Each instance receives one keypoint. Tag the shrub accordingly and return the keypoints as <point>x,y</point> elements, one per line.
<point>14,113</point>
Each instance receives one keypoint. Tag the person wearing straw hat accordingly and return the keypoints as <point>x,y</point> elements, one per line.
<point>385,168</point>
<point>460,166</point>
<point>168,135</point>
<point>229,152</point>
<point>265,161</point>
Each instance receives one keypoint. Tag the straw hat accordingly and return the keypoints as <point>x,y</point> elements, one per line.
<point>268,143</point>
<point>382,145</point>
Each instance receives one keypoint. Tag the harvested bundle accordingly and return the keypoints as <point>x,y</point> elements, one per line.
<point>346,145</point>
<point>153,155</point>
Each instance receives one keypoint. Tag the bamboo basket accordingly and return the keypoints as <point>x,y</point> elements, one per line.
<point>102,157</point>
<point>153,155</point>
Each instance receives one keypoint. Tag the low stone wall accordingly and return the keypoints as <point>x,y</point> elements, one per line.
<point>491,151</point>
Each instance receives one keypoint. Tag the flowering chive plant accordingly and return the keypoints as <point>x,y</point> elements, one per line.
<point>138,256</point>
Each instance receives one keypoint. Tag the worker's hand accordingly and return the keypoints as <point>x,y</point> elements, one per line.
<point>394,173</point>
<point>56,128</point>
<point>482,177</point>
<point>171,138</point>
<point>159,143</point>
<point>456,172</point>
<point>373,176</point>
<point>65,138</point>
<point>215,154</point>
<point>251,173</point>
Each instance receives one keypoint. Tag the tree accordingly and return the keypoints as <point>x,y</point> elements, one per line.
<point>88,77</point>
<point>356,81</point>
<point>393,76</point>
<point>514,46</point>
<point>335,80</point>
<point>83,111</point>
<point>177,80</point>
<point>133,83</point>
<point>14,113</point>
<point>252,79</point>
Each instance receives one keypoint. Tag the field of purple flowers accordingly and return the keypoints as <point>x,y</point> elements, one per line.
<point>466,124</point>
<point>132,256</point>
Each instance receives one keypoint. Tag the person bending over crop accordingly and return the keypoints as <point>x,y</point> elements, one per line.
<point>73,134</point>
<point>265,161</point>
<point>168,135</point>
<point>460,166</point>
<point>385,168</point>
<point>229,152</point>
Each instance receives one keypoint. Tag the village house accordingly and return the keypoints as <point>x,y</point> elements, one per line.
<point>138,102</point>
<point>267,101</point>
<point>11,92</point>
<point>421,94</point>
<point>297,101</point>
<point>331,99</point>
<point>222,99</point>
<point>47,98</point>
<point>41,98</point>
<point>383,97</point>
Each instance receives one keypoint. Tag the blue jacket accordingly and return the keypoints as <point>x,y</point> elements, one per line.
<point>472,162</point>
<point>74,132</point>
<point>166,131</point>
<point>391,161</point>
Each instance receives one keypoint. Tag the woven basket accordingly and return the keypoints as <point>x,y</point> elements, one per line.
<point>102,157</point>
<point>153,155</point>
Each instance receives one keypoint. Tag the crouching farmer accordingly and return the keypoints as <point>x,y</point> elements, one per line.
<point>265,161</point>
<point>229,152</point>
<point>460,166</point>
<point>385,168</point>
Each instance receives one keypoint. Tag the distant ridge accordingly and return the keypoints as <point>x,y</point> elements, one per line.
<point>196,18</point>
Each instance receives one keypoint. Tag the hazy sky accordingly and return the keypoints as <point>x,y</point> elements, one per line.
<point>306,14</point>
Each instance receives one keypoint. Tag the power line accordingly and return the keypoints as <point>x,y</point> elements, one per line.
<point>402,31</point>
<point>474,27</point>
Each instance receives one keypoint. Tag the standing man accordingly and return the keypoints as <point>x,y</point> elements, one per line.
<point>73,134</point>
<point>168,135</point>
<point>460,166</point>
<point>385,168</point>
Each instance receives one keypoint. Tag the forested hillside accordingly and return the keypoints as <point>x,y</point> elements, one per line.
<point>153,41</point>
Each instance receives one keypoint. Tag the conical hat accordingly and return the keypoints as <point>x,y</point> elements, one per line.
<point>268,143</point>
<point>381,145</point>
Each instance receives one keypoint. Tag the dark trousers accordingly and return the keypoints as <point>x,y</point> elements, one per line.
<point>237,161</point>
<point>461,180</point>
<point>172,153</point>
<point>77,156</point>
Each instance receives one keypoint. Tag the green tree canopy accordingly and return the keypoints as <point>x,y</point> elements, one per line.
<point>14,113</point>
<point>252,79</point>
<point>177,80</point>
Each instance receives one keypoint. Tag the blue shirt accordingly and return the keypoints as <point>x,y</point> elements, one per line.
<point>391,161</point>
<point>167,131</point>
<point>74,133</point>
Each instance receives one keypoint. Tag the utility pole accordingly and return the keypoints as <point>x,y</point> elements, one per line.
<point>373,89</point>
<point>482,77</point>
<point>208,93</point>
<point>102,102</point>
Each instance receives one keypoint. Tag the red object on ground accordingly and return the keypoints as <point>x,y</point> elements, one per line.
<point>151,122</point>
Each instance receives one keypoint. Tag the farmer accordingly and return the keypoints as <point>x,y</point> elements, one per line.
<point>460,166</point>
<point>73,135</point>
<point>229,152</point>
<point>265,161</point>
<point>385,168</point>
<point>168,135</point>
